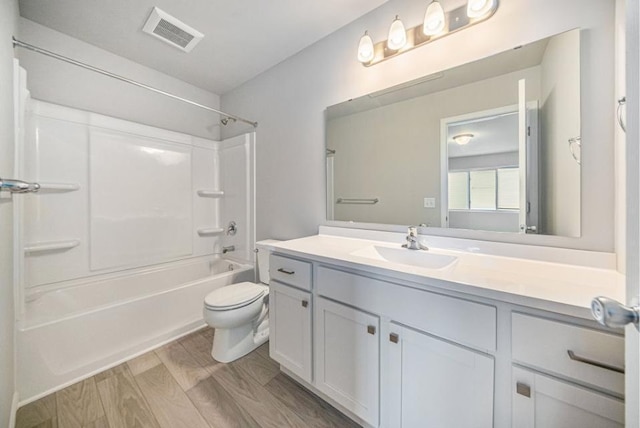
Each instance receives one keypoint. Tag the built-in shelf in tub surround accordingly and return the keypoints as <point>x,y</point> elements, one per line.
<point>206,193</point>
<point>58,187</point>
<point>40,247</point>
<point>210,231</point>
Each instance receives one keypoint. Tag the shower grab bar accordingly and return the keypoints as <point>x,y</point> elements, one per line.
<point>39,247</point>
<point>211,193</point>
<point>45,52</point>
<point>362,201</point>
<point>210,231</point>
<point>18,186</point>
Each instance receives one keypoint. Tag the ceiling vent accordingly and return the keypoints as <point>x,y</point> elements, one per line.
<point>171,30</point>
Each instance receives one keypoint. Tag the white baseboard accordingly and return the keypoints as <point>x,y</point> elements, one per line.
<point>14,410</point>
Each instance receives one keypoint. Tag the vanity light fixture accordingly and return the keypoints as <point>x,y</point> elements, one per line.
<point>462,139</point>
<point>365,48</point>
<point>437,24</point>
<point>397,35</point>
<point>434,19</point>
<point>479,8</point>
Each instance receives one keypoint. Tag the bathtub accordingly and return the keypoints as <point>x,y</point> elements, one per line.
<point>71,333</point>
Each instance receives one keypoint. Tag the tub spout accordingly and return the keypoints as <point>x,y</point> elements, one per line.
<point>225,250</point>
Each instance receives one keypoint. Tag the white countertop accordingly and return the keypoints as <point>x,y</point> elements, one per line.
<point>546,285</point>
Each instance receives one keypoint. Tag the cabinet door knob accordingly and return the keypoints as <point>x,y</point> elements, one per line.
<point>305,303</point>
<point>393,337</point>
<point>523,389</point>
<point>371,329</point>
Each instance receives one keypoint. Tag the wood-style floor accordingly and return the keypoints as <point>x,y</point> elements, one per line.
<point>180,386</point>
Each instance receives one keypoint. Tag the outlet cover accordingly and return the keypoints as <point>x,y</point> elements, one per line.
<point>429,202</point>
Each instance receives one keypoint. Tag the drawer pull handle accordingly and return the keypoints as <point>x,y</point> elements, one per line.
<point>393,337</point>
<point>305,303</point>
<point>371,329</point>
<point>288,272</point>
<point>574,357</point>
<point>523,389</point>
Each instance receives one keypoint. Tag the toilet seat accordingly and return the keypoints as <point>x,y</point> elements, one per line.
<point>234,296</point>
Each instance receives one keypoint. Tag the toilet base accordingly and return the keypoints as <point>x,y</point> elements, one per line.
<point>231,344</point>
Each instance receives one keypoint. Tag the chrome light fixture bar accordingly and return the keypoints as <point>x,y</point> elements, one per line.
<point>437,24</point>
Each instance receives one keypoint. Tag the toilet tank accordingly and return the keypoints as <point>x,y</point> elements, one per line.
<point>264,250</point>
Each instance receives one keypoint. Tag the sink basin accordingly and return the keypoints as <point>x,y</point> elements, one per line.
<point>403,256</point>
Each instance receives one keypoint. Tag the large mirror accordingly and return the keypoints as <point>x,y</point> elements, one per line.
<point>491,145</point>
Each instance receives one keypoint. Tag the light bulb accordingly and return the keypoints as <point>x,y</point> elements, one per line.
<point>433,19</point>
<point>479,8</point>
<point>397,35</point>
<point>365,48</point>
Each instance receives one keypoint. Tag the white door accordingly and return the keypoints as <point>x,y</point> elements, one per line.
<point>347,358</point>
<point>632,355</point>
<point>613,313</point>
<point>437,384</point>
<point>522,152</point>
<point>543,402</point>
<point>290,328</point>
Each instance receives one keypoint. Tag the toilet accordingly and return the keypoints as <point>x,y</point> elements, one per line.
<point>239,313</point>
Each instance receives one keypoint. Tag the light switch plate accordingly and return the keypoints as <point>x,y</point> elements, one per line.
<point>429,202</point>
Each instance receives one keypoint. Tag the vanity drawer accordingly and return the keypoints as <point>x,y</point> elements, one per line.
<point>290,271</point>
<point>468,323</point>
<point>546,345</point>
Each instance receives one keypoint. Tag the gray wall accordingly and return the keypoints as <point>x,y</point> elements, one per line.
<point>61,83</point>
<point>560,98</point>
<point>8,25</point>
<point>289,101</point>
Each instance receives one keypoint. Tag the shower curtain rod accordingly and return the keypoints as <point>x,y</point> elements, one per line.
<point>45,52</point>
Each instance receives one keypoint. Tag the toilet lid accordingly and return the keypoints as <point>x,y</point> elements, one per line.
<point>234,296</point>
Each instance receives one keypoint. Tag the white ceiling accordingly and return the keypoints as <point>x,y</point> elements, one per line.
<point>242,38</point>
<point>491,135</point>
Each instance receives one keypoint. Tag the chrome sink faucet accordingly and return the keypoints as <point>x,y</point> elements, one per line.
<point>412,240</point>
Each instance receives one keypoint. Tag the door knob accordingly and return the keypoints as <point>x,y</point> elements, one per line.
<point>611,313</point>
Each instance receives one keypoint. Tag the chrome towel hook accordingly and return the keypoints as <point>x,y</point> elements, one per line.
<point>621,102</point>
<point>573,142</point>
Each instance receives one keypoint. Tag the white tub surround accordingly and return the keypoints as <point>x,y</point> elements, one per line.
<point>111,258</point>
<point>392,343</point>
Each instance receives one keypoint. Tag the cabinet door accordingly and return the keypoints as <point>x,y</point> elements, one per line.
<point>347,357</point>
<point>543,402</point>
<point>434,383</point>
<point>290,328</point>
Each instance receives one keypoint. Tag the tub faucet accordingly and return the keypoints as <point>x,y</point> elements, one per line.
<point>225,250</point>
<point>412,240</point>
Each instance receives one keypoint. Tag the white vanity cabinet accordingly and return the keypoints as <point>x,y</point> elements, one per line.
<point>392,353</point>
<point>545,402</point>
<point>589,359</point>
<point>290,312</point>
<point>435,383</point>
<point>431,368</point>
<point>347,350</point>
